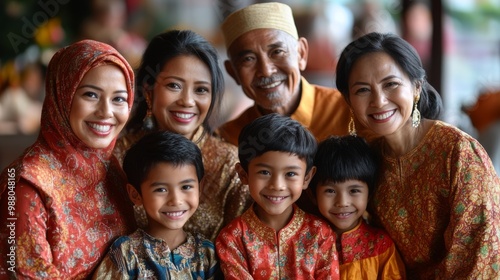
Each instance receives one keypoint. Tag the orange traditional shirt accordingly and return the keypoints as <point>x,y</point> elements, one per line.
<point>440,203</point>
<point>322,110</point>
<point>369,253</point>
<point>304,249</point>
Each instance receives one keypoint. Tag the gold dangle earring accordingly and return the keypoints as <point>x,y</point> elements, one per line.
<point>352,126</point>
<point>148,121</point>
<point>415,116</point>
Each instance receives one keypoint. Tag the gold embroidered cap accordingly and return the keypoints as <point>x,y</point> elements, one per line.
<point>265,15</point>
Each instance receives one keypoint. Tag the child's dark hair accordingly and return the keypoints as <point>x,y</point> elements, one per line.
<point>274,132</point>
<point>342,158</point>
<point>156,147</point>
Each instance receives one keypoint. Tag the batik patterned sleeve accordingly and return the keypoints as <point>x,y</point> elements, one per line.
<point>108,270</point>
<point>122,261</point>
<point>34,258</point>
<point>472,238</point>
<point>328,262</point>
<point>232,253</point>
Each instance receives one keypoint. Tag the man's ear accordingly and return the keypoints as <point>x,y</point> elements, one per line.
<point>134,195</point>
<point>230,70</point>
<point>303,52</point>
<point>308,177</point>
<point>242,173</point>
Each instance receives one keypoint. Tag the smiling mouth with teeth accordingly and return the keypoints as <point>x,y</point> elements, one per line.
<point>343,214</point>
<point>174,214</point>
<point>275,198</point>
<point>183,116</point>
<point>275,84</point>
<point>384,115</point>
<point>100,128</point>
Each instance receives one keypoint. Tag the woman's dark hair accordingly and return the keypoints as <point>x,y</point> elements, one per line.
<point>430,103</point>
<point>160,147</point>
<point>160,51</point>
<point>342,158</point>
<point>274,132</point>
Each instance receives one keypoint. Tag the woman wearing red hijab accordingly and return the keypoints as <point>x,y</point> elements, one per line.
<point>63,202</point>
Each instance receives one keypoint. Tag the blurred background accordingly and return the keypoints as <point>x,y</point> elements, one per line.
<point>458,42</point>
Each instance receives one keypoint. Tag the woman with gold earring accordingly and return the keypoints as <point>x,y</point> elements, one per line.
<point>179,89</point>
<point>438,195</point>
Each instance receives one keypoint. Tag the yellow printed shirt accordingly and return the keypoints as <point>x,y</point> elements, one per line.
<point>369,253</point>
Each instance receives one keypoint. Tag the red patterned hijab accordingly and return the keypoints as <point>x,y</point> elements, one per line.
<point>58,154</point>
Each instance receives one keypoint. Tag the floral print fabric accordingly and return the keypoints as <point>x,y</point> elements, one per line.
<point>440,203</point>
<point>141,256</point>
<point>369,253</point>
<point>70,200</point>
<point>304,249</point>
